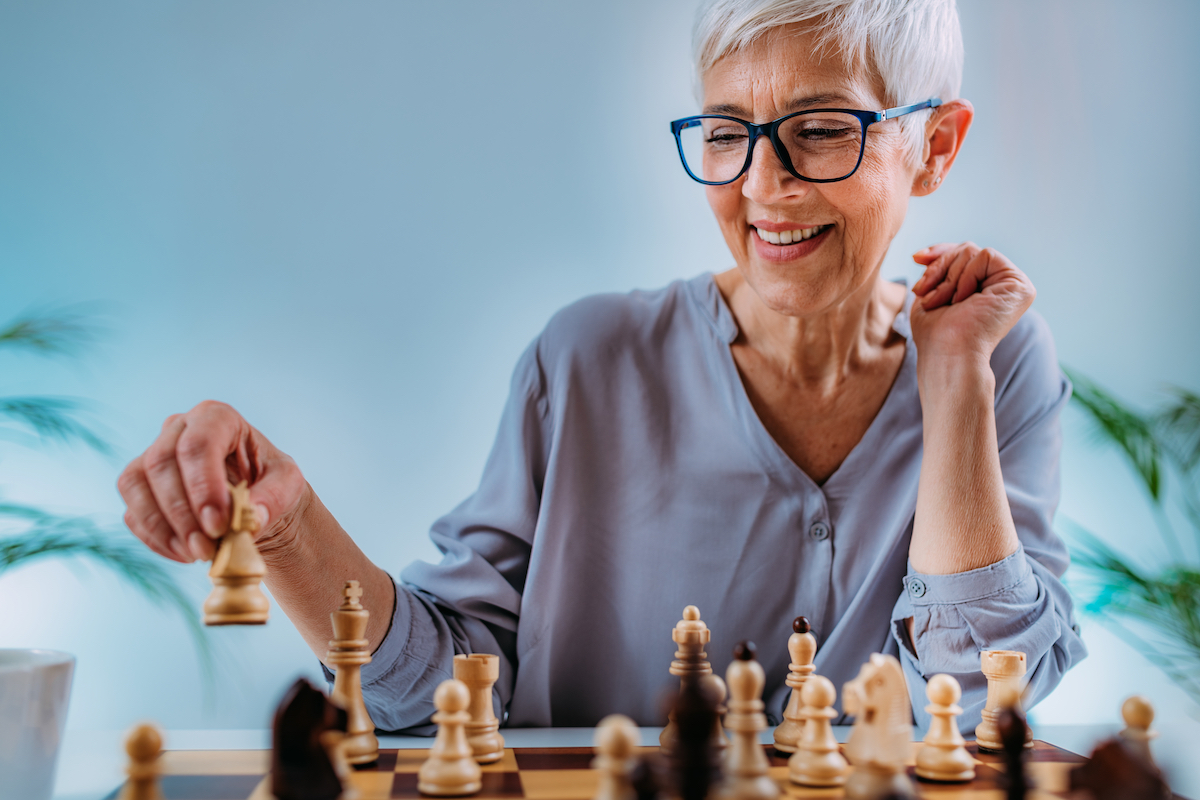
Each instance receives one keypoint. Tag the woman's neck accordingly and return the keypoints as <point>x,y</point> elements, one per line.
<point>820,351</point>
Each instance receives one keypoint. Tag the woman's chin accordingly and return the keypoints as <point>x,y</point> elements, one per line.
<point>789,292</point>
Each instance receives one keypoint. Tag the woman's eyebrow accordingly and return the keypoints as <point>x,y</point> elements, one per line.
<point>795,104</point>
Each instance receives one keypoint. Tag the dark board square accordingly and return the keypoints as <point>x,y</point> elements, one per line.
<point>777,758</point>
<point>495,785</point>
<point>386,762</point>
<point>555,757</point>
<point>986,778</point>
<point>204,787</point>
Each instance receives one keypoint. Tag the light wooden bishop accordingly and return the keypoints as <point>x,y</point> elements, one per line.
<point>802,646</point>
<point>1004,670</point>
<point>349,650</point>
<point>479,672</point>
<point>746,766</point>
<point>943,755</point>
<point>237,569</point>
<point>144,745</point>
<point>691,665</point>
<point>451,769</point>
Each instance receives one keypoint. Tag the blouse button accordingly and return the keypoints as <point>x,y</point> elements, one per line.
<point>916,587</point>
<point>819,531</point>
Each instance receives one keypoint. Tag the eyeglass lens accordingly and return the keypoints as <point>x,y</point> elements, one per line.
<point>823,145</point>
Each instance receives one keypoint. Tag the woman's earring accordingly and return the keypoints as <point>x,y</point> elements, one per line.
<point>926,184</point>
<point>937,180</point>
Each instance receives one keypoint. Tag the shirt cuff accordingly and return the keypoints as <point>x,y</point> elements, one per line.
<point>392,646</point>
<point>969,586</point>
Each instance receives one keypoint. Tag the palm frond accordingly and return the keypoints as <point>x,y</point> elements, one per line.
<point>51,333</point>
<point>1167,603</point>
<point>1127,429</point>
<point>54,419</point>
<point>1179,428</point>
<point>49,535</point>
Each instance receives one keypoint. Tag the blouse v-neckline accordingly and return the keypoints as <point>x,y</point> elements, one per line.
<point>777,462</point>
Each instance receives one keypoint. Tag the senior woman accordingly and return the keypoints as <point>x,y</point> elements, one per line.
<point>793,436</point>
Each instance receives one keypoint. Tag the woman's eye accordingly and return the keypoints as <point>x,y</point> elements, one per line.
<point>826,133</point>
<point>726,138</point>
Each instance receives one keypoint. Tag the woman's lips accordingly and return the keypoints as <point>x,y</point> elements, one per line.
<point>788,252</point>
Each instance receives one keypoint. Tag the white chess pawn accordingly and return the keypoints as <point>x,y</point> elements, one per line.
<point>144,745</point>
<point>1138,715</point>
<point>944,756</point>
<point>451,769</point>
<point>818,761</point>
<point>616,741</point>
<point>802,646</point>
<point>746,764</point>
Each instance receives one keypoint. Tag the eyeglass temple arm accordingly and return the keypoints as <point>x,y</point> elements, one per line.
<point>900,111</point>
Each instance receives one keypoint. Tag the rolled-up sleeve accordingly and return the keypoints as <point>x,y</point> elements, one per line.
<point>1018,603</point>
<point>469,602</point>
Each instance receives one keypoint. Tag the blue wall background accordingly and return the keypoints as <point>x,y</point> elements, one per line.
<point>348,219</point>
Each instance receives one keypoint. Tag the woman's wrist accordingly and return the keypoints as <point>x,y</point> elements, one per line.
<point>279,546</point>
<point>954,378</point>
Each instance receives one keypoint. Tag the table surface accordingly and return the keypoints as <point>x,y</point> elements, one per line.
<point>92,763</point>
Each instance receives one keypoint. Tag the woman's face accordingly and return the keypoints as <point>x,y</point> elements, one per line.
<point>855,218</point>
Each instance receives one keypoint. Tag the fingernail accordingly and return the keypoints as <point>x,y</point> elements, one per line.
<point>264,516</point>
<point>180,549</point>
<point>199,552</point>
<point>210,518</point>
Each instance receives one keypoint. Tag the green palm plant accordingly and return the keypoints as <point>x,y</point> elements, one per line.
<point>28,533</point>
<point>1155,607</point>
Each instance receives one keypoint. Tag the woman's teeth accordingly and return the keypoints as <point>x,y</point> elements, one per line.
<point>788,237</point>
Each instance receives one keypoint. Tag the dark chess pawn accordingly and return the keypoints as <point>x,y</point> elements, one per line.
<point>1115,772</point>
<point>302,764</point>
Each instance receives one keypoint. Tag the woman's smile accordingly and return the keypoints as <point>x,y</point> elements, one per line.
<point>789,244</point>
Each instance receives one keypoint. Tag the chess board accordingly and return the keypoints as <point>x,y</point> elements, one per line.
<point>561,773</point>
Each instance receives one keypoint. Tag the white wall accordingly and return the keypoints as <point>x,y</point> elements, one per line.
<point>348,219</point>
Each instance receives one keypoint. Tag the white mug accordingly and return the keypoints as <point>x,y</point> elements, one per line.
<point>35,686</point>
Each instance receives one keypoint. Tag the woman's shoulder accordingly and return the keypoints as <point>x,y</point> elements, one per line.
<point>608,325</point>
<point>1029,381</point>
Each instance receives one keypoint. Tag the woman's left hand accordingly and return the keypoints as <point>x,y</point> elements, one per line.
<point>967,301</point>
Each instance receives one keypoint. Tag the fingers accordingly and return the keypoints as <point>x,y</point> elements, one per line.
<point>950,269</point>
<point>144,518</point>
<point>934,258</point>
<point>213,432</point>
<point>166,485</point>
<point>929,254</point>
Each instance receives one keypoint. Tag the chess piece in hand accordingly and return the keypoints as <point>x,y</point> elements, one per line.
<point>176,492</point>
<point>238,569</point>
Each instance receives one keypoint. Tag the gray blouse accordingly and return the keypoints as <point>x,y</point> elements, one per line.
<point>631,476</point>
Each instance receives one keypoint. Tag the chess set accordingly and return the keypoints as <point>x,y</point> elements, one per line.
<point>325,747</point>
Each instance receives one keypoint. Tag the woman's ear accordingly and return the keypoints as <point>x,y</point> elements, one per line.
<point>944,135</point>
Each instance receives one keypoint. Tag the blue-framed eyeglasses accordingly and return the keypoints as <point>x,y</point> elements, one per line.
<point>821,145</point>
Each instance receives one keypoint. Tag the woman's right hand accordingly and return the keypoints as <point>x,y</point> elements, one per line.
<point>176,492</point>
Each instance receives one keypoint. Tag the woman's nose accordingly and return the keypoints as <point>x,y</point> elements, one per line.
<point>767,179</point>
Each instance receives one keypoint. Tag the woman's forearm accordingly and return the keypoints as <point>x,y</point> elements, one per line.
<point>963,521</point>
<point>307,565</point>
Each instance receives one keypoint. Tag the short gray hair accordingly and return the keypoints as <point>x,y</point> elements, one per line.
<point>914,45</point>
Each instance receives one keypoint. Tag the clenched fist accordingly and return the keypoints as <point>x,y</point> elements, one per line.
<point>968,299</point>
